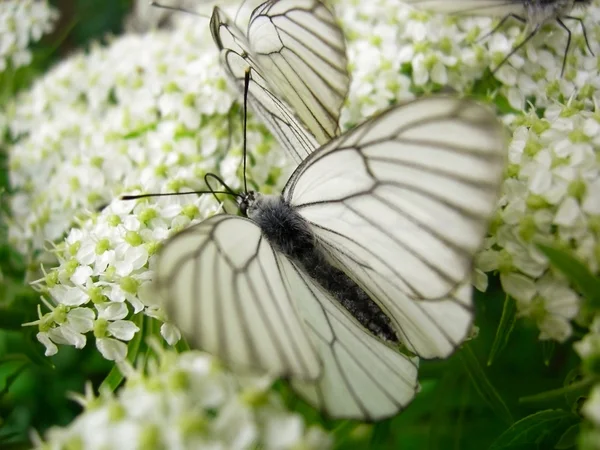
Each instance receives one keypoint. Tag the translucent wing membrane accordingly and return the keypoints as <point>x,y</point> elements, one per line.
<point>296,53</point>
<point>472,7</point>
<point>233,296</point>
<point>362,377</point>
<point>301,48</point>
<point>222,285</point>
<point>402,203</point>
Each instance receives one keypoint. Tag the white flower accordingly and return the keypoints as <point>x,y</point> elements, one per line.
<point>550,303</point>
<point>186,402</point>
<point>135,116</point>
<point>22,22</point>
<point>112,349</point>
<point>51,348</point>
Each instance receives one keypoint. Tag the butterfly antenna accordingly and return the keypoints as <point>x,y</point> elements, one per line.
<point>228,190</point>
<point>170,194</point>
<point>501,24</point>
<point>178,9</point>
<point>245,122</point>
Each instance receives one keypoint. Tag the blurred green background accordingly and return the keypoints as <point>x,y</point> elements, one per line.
<point>465,403</point>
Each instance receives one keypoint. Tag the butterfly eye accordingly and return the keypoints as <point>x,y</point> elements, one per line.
<point>243,205</point>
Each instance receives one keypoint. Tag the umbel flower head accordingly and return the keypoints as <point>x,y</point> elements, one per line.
<point>111,124</point>
<point>22,22</point>
<point>152,113</point>
<point>185,401</point>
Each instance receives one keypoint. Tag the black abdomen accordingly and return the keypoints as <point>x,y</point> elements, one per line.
<point>289,233</point>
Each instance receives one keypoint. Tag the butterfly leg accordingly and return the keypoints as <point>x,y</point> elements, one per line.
<point>587,42</point>
<point>566,28</point>
<point>501,24</point>
<point>517,48</point>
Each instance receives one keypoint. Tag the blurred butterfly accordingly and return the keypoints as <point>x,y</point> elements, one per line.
<point>363,261</point>
<point>533,13</point>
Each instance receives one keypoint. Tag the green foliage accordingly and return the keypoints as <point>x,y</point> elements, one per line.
<point>537,431</point>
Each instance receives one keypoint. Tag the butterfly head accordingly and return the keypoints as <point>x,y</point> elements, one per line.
<point>246,202</point>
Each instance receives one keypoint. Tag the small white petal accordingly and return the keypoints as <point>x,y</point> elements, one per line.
<point>112,349</point>
<point>170,333</point>
<point>112,311</point>
<point>568,213</point>
<point>283,432</point>
<point>51,348</point>
<point>81,275</point>
<point>518,286</point>
<point>123,329</point>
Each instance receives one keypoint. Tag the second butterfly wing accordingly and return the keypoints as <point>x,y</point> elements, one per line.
<point>296,56</point>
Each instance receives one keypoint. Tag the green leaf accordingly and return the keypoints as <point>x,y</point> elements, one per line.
<point>182,346</point>
<point>576,271</point>
<point>11,320</point>
<point>11,378</point>
<point>112,380</point>
<point>483,385</point>
<point>569,438</point>
<point>134,344</point>
<point>541,430</point>
<point>505,328</point>
<point>582,387</point>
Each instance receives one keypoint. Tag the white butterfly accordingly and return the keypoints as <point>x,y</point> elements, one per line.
<point>297,54</point>
<point>534,13</point>
<point>369,248</point>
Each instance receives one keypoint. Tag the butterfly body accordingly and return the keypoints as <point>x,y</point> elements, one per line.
<point>539,12</point>
<point>288,232</point>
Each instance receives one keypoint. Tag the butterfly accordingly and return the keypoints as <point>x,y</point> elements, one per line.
<point>533,13</point>
<point>363,261</point>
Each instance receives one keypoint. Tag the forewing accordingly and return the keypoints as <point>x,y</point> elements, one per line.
<point>402,203</point>
<point>363,378</point>
<point>301,49</point>
<point>275,114</point>
<point>472,7</point>
<point>223,287</point>
<point>296,55</point>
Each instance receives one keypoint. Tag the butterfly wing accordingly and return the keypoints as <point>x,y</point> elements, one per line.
<point>401,204</point>
<point>234,296</point>
<point>300,46</point>
<point>363,378</point>
<point>471,7</point>
<point>223,288</point>
<point>296,53</point>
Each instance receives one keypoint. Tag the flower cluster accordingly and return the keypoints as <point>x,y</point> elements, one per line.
<point>184,402</point>
<point>551,195</point>
<point>398,52</point>
<point>149,113</point>
<point>22,22</point>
